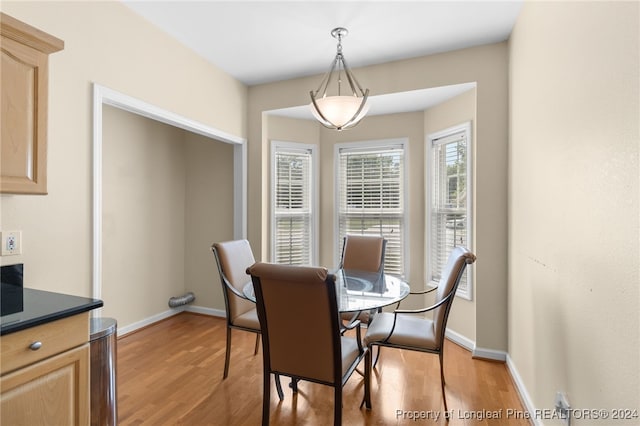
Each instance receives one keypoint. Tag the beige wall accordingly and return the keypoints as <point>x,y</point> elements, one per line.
<point>487,66</point>
<point>143,216</point>
<point>108,44</point>
<point>284,129</point>
<point>167,196</point>
<point>574,302</point>
<point>208,214</point>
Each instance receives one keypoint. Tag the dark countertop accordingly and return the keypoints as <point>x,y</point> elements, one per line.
<point>41,307</point>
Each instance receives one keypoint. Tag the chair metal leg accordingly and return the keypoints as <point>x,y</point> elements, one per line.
<point>375,359</point>
<point>255,352</point>
<point>266,397</point>
<point>441,355</point>
<point>375,362</point>
<point>279,387</point>
<point>444,398</point>
<point>227,355</point>
<point>337,406</point>
<point>367,381</point>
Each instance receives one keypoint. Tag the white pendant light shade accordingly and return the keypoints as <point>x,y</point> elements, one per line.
<point>341,111</point>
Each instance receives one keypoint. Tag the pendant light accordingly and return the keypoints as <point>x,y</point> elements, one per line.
<point>345,105</point>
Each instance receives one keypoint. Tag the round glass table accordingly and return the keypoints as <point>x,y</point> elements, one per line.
<point>359,290</point>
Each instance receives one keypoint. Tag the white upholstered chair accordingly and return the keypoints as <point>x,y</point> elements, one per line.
<point>233,258</point>
<point>409,329</point>
<point>362,253</point>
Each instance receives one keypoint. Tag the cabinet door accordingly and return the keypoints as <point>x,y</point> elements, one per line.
<point>23,115</point>
<point>24,119</point>
<point>54,391</point>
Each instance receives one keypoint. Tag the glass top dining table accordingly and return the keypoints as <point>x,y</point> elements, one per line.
<point>360,290</point>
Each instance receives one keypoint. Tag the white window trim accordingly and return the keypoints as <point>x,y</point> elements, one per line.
<point>275,145</point>
<point>404,142</point>
<point>466,127</point>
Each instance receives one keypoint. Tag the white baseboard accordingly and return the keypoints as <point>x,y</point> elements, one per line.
<point>459,339</point>
<point>490,354</point>
<point>476,352</point>
<point>522,391</point>
<point>121,331</point>
<point>206,311</point>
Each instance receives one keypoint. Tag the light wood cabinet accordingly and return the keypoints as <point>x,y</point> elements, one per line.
<point>24,107</point>
<point>51,387</point>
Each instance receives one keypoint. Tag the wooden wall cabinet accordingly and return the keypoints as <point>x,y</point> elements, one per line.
<point>49,385</point>
<point>24,92</point>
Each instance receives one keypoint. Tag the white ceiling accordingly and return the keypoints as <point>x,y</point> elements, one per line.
<point>264,41</point>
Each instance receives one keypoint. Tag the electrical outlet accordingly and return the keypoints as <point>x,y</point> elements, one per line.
<point>11,242</point>
<point>562,408</point>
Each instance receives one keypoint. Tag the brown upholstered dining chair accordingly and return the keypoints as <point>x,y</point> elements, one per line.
<point>363,253</point>
<point>400,330</point>
<point>313,349</point>
<point>233,259</point>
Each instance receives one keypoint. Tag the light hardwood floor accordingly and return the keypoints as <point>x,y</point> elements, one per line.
<point>170,373</point>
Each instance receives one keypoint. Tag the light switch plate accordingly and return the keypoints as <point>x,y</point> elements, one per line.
<point>11,242</point>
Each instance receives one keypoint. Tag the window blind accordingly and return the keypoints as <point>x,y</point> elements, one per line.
<point>371,198</point>
<point>293,224</point>
<point>449,215</point>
